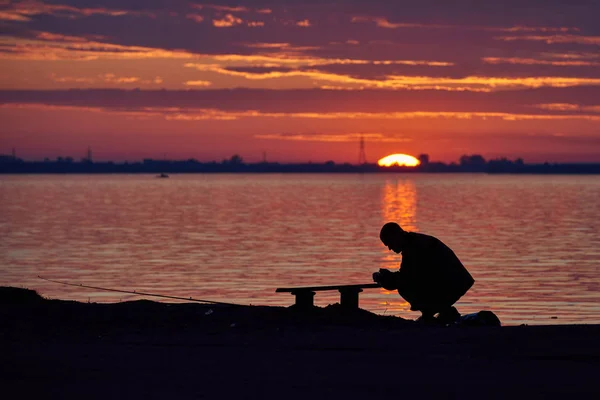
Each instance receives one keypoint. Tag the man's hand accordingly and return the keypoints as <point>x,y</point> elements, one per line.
<point>385,278</point>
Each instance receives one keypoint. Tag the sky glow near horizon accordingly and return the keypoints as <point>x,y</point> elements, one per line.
<point>300,80</point>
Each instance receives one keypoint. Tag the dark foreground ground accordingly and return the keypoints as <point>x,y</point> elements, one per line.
<point>53,349</point>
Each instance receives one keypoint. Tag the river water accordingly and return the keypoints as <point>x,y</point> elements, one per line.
<point>531,242</point>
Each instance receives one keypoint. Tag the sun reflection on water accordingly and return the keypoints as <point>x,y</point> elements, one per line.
<point>399,204</point>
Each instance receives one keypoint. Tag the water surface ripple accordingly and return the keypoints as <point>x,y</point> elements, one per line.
<point>531,242</point>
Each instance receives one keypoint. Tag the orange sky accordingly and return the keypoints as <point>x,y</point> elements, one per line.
<point>299,81</point>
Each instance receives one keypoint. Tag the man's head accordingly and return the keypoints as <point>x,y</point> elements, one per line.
<point>393,236</point>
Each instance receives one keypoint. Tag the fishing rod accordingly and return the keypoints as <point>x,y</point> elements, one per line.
<point>141,293</point>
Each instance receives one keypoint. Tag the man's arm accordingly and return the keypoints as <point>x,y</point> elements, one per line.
<point>398,281</point>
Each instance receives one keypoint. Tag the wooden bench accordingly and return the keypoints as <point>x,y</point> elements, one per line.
<point>348,294</point>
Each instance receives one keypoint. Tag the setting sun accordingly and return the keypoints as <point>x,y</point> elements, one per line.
<point>399,159</point>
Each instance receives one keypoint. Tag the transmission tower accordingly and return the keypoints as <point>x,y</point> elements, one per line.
<point>362,157</point>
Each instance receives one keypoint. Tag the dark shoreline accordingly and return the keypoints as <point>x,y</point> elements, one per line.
<point>288,172</point>
<point>17,166</point>
<point>57,349</point>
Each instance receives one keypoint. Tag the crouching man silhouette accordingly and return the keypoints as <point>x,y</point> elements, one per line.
<point>431,278</point>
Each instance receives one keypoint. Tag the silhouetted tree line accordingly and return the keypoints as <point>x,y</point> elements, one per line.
<point>466,163</point>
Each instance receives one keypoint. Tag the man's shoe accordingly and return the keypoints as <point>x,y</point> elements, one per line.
<point>448,316</point>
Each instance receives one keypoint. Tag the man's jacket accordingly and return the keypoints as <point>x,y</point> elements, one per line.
<point>431,276</point>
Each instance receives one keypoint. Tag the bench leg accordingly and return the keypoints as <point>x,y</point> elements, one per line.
<point>349,297</point>
<point>304,299</point>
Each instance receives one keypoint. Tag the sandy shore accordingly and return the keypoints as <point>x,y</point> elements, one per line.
<point>143,350</point>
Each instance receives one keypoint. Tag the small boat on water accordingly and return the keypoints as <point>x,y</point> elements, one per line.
<point>162,175</point>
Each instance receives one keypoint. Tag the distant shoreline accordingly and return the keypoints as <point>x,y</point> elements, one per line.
<point>292,172</point>
<point>474,163</point>
<point>194,167</point>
